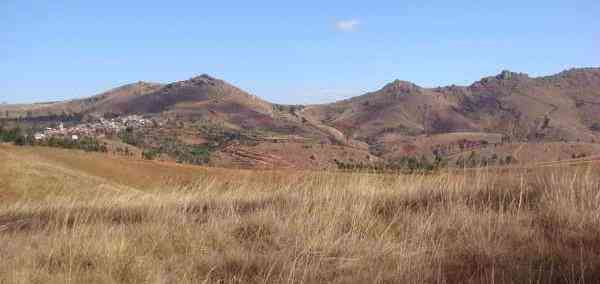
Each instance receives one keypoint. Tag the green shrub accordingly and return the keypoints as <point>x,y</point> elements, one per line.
<point>150,154</point>
<point>129,136</point>
<point>11,135</point>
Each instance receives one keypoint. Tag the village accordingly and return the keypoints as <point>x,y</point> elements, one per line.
<point>101,127</point>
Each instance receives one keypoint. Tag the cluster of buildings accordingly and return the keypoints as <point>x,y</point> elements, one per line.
<point>99,128</point>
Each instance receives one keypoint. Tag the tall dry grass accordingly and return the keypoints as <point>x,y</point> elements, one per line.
<point>484,226</point>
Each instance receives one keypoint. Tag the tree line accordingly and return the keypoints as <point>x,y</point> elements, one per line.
<point>412,164</point>
<point>20,137</point>
<point>404,164</point>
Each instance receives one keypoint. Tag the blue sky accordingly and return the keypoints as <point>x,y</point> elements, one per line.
<point>301,52</point>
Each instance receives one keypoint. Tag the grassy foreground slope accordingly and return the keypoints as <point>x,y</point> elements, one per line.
<point>83,218</point>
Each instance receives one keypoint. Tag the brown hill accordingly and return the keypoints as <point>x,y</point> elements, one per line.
<point>399,119</point>
<point>565,106</point>
<point>204,97</point>
<point>201,97</point>
<point>110,101</point>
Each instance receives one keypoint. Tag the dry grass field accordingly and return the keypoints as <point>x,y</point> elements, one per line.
<point>71,217</point>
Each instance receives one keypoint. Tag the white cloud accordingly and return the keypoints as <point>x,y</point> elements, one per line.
<point>347,25</point>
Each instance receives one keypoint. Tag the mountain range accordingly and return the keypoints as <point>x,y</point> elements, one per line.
<point>400,119</point>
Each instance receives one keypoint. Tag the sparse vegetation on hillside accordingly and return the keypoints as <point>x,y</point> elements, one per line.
<point>400,119</point>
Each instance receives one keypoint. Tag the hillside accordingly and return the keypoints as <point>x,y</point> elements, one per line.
<point>562,107</point>
<point>110,101</point>
<point>570,100</point>
<point>401,119</point>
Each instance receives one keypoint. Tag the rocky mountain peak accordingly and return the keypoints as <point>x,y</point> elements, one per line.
<point>500,81</point>
<point>204,79</point>
<point>399,86</point>
<point>507,75</point>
